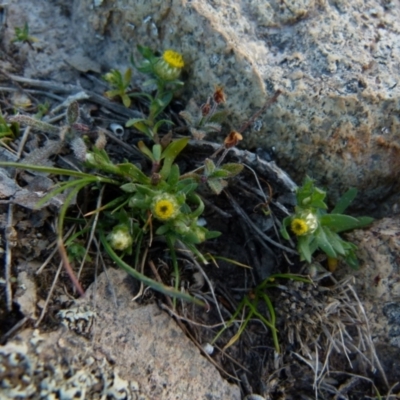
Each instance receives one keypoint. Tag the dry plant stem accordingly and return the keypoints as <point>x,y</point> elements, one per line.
<point>126,146</point>
<point>68,268</point>
<point>56,87</point>
<point>268,104</point>
<point>357,377</point>
<point>17,326</point>
<point>39,92</point>
<point>19,86</point>
<point>189,321</point>
<point>249,222</point>
<point>144,257</point>
<point>53,285</point>
<point>209,204</point>
<point>198,266</point>
<point>100,255</point>
<point>185,330</point>
<point>92,230</point>
<point>8,258</point>
<point>23,140</point>
<point>52,254</point>
<point>370,344</point>
<point>260,192</point>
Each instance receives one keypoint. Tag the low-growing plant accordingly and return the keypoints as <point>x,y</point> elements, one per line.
<point>22,35</point>
<point>161,203</point>
<point>163,74</point>
<point>250,308</point>
<point>8,131</point>
<point>120,83</point>
<point>316,229</point>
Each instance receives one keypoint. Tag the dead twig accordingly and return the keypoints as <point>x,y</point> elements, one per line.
<point>11,237</point>
<point>260,234</point>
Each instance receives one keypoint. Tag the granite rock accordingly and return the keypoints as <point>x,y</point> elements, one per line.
<point>110,346</point>
<point>336,63</point>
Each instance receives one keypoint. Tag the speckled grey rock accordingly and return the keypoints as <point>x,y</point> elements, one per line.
<point>112,347</point>
<point>378,280</point>
<point>336,63</point>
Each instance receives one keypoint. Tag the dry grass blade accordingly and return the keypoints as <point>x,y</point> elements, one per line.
<point>49,294</point>
<point>10,243</point>
<point>260,234</point>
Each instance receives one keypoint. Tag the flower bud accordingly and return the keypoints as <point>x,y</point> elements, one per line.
<point>169,66</point>
<point>119,238</point>
<point>304,223</point>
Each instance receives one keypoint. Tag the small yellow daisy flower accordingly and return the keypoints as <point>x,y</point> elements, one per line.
<point>165,207</point>
<point>173,58</point>
<point>169,66</point>
<point>299,227</point>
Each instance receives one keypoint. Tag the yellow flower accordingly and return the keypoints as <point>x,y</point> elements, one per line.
<point>173,58</point>
<point>169,66</point>
<point>299,227</point>
<point>165,207</point>
<point>304,223</point>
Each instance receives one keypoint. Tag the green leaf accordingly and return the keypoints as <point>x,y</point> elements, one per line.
<point>219,116</point>
<point>186,186</point>
<point>133,172</point>
<point>145,52</point>
<point>303,247</point>
<point>220,174</point>
<point>212,234</point>
<point>199,210</point>
<point>334,240</point>
<point>128,187</point>
<point>143,278</point>
<point>127,77</point>
<point>323,243</point>
<point>159,123</point>
<point>285,223</point>
<point>233,168</point>
<point>352,260</point>
<point>146,151</point>
<point>310,196</point>
<point>173,177</point>
<point>162,230</point>
<point>209,167</point>
<point>216,185</point>
<point>170,153</point>
<point>345,201</point>
<point>340,222</point>
<point>126,101</point>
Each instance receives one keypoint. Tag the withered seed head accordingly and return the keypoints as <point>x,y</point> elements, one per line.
<point>219,95</point>
<point>232,139</point>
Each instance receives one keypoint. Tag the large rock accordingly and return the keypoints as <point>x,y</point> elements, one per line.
<point>336,63</point>
<point>113,348</point>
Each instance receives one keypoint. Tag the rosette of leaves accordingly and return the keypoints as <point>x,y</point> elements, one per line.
<point>325,237</point>
<point>120,83</point>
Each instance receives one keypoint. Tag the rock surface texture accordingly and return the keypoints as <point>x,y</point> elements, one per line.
<point>110,347</point>
<point>336,63</point>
